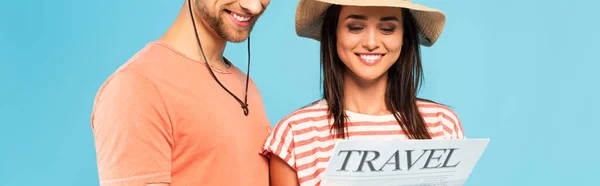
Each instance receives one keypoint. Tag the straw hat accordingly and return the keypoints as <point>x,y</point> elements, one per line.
<point>310,13</point>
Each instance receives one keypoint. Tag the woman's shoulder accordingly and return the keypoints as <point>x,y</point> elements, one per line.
<point>436,113</point>
<point>431,106</point>
<point>281,138</point>
<point>309,112</point>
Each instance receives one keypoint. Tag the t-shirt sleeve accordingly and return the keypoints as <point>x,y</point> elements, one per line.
<point>281,143</point>
<point>132,132</point>
<point>451,120</point>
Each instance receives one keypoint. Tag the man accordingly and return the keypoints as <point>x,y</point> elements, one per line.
<point>178,113</point>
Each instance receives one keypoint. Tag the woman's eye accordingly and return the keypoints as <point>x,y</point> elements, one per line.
<point>355,28</point>
<point>388,30</point>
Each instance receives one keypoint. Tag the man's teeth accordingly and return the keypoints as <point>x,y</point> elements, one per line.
<point>240,18</point>
<point>370,57</point>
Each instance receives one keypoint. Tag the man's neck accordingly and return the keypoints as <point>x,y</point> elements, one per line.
<point>366,97</point>
<point>182,37</point>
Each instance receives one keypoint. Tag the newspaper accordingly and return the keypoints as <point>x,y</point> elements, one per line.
<point>403,162</point>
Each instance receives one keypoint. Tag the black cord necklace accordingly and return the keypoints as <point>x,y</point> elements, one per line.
<point>244,104</point>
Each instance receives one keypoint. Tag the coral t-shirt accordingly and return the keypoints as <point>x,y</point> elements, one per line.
<point>162,118</point>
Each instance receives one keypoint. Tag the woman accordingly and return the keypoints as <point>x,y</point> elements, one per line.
<point>372,67</point>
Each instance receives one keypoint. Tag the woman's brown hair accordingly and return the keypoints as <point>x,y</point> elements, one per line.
<point>404,78</point>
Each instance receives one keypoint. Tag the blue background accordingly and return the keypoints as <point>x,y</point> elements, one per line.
<point>523,73</point>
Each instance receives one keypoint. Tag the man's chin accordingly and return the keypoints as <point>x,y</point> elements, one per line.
<point>237,36</point>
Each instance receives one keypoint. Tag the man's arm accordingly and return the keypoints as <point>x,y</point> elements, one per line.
<point>132,132</point>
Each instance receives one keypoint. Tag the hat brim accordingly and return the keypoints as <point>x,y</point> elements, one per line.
<point>310,14</point>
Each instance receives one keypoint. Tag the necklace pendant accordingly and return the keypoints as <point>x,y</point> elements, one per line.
<point>245,108</point>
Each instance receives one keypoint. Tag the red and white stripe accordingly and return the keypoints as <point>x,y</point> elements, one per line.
<point>304,141</point>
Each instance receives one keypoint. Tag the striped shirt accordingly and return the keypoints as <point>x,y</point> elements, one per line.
<point>303,139</point>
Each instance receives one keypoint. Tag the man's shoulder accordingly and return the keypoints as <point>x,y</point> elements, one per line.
<point>138,70</point>
<point>149,60</point>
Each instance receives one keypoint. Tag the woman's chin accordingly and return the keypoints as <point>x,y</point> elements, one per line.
<point>368,77</point>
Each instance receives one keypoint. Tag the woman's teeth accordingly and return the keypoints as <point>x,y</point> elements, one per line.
<point>370,57</point>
